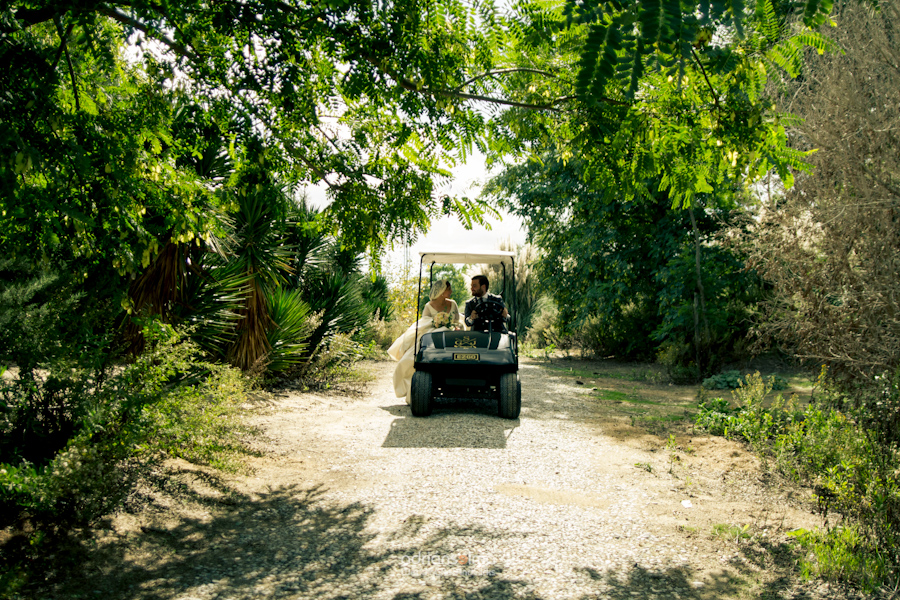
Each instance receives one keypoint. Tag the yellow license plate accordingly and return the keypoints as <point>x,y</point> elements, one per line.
<point>464,356</point>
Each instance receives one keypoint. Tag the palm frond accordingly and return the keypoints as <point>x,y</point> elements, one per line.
<point>213,294</point>
<point>292,327</point>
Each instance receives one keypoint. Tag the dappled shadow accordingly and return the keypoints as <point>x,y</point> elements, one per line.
<point>289,540</point>
<point>295,542</point>
<point>780,560</point>
<point>675,582</point>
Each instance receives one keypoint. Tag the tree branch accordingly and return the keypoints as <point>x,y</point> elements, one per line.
<point>63,44</point>
<point>33,16</point>
<point>712,90</point>
<point>885,184</point>
<point>65,48</point>
<point>312,167</point>
<point>162,11</point>
<point>503,72</point>
<point>131,22</point>
<point>328,138</point>
<point>408,85</point>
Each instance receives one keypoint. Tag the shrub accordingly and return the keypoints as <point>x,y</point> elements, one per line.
<point>851,469</point>
<point>676,358</point>
<point>385,332</point>
<point>625,337</point>
<point>202,421</point>
<point>76,439</point>
<point>730,380</point>
<point>838,557</point>
<point>331,362</point>
<point>545,330</point>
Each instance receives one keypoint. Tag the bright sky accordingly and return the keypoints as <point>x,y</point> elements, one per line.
<point>448,233</point>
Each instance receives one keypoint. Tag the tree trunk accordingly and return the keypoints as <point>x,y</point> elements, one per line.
<point>702,347</point>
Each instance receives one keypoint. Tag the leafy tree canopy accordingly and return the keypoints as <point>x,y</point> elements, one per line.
<point>630,264</point>
<point>673,92</point>
<point>371,98</point>
<point>365,97</point>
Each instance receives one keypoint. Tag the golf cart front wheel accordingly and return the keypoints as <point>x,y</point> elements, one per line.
<point>420,394</point>
<point>510,402</point>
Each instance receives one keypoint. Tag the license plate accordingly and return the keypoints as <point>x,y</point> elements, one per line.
<point>464,356</point>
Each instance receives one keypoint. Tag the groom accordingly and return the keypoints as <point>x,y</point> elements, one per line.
<point>479,288</point>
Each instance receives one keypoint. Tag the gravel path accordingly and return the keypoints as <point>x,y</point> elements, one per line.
<point>355,498</point>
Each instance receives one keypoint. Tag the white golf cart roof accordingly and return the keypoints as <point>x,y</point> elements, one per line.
<point>468,258</point>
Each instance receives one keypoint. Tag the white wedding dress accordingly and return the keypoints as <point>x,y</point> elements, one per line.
<point>403,350</point>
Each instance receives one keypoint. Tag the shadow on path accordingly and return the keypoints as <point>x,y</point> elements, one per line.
<point>442,429</point>
<point>293,542</point>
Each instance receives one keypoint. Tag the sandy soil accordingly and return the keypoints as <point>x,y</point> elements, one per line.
<point>349,484</point>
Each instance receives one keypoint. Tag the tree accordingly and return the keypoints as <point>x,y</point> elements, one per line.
<point>830,246</point>
<point>629,268</point>
<point>653,103</point>
<point>111,160</point>
<point>670,93</point>
<point>143,175</point>
<point>345,93</point>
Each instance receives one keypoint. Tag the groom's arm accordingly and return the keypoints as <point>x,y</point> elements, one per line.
<point>470,305</point>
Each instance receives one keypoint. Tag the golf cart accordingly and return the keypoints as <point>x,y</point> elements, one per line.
<point>470,364</point>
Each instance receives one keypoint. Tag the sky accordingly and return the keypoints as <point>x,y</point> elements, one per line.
<point>448,233</point>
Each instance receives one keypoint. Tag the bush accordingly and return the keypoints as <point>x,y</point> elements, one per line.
<point>730,380</point>
<point>384,332</point>
<point>851,470</point>
<point>76,439</point>
<point>545,330</point>
<point>627,337</point>
<point>332,362</point>
<point>676,358</point>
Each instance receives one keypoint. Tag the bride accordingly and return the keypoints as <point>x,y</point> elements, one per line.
<point>440,314</point>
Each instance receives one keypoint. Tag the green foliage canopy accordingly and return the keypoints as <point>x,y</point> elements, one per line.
<point>628,265</point>
<point>353,94</point>
<point>669,92</point>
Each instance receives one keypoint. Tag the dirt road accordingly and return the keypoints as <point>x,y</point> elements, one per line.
<point>355,498</point>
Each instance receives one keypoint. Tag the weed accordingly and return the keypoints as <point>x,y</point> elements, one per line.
<point>548,351</point>
<point>843,553</point>
<point>732,380</point>
<point>672,450</point>
<point>853,472</point>
<point>732,533</point>
<point>644,466</point>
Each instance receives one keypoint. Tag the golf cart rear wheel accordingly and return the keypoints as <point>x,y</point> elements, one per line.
<point>420,394</point>
<point>510,402</point>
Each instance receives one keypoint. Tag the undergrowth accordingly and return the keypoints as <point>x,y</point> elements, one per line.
<point>850,465</point>
<point>75,439</point>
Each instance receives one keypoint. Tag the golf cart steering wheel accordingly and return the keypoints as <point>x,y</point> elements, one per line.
<point>490,310</point>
